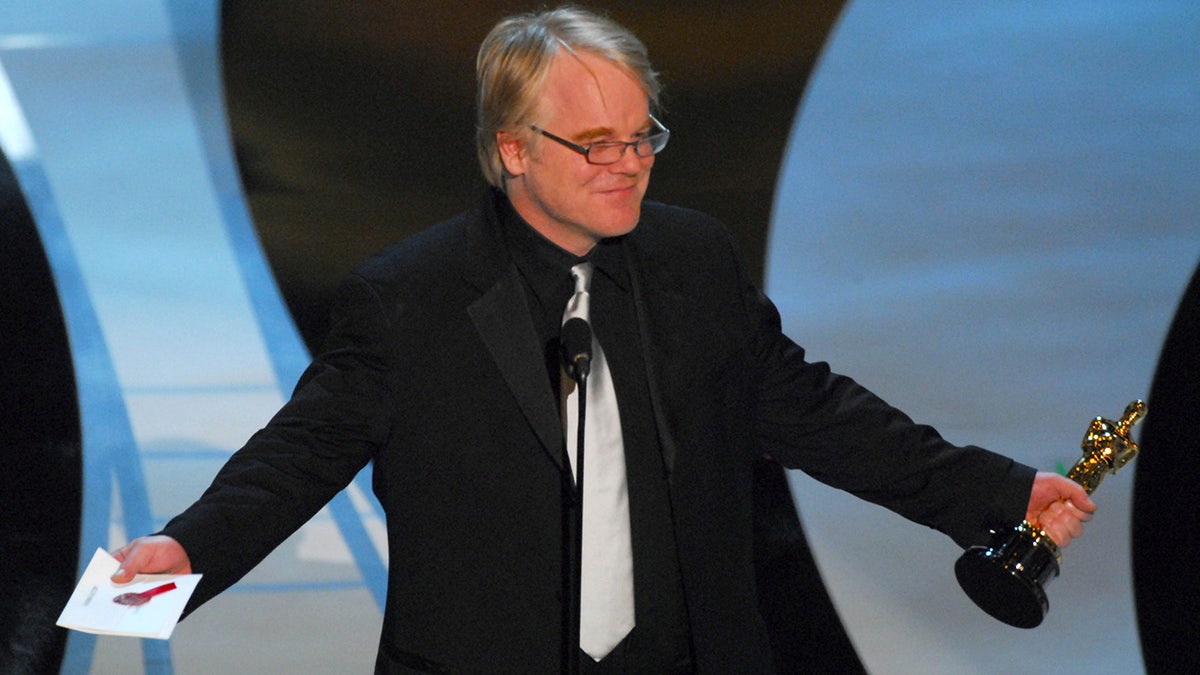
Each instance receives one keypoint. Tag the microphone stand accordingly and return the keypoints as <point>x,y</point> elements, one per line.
<point>576,557</point>
<point>577,358</point>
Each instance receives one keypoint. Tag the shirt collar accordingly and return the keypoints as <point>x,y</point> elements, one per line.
<point>545,264</point>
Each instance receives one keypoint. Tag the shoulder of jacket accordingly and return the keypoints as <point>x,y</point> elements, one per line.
<point>681,230</point>
<point>671,215</point>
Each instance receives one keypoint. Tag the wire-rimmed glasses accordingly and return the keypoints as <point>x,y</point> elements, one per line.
<point>611,152</point>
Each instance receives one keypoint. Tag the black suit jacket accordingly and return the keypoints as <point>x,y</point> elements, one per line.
<point>433,371</point>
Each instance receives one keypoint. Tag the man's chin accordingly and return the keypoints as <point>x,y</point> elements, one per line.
<point>620,229</point>
<point>628,220</point>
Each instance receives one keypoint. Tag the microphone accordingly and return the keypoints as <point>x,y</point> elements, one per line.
<point>576,345</point>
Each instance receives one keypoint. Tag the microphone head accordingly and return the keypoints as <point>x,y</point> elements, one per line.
<point>576,343</point>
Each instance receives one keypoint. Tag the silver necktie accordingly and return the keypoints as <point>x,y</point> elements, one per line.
<point>606,603</point>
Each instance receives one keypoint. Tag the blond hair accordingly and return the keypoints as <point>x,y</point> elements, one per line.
<point>516,56</point>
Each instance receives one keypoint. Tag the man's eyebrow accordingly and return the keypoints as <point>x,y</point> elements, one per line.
<point>592,134</point>
<point>601,132</point>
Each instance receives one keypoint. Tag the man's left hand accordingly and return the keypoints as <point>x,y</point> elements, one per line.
<point>1059,506</point>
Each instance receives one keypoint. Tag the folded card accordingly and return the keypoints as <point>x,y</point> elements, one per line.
<point>94,606</point>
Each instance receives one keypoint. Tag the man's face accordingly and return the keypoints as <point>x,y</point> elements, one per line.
<point>569,201</point>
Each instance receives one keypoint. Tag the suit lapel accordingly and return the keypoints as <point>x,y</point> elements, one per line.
<point>656,300</point>
<point>501,316</point>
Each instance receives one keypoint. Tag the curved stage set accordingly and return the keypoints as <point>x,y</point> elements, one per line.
<point>985,214</point>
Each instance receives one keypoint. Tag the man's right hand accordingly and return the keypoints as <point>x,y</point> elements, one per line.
<point>158,554</point>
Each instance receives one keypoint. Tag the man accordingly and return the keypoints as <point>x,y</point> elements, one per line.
<point>442,367</point>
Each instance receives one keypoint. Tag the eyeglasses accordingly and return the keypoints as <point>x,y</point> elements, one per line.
<point>611,152</point>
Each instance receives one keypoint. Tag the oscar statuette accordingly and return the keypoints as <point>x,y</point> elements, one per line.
<point>1007,579</point>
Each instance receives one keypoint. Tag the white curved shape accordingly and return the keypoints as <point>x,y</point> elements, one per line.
<point>987,216</point>
<point>181,346</point>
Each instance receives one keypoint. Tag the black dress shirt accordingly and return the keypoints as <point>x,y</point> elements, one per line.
<point>659,642</point>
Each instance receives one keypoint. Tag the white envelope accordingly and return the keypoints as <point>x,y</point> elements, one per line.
<point>92,608</point>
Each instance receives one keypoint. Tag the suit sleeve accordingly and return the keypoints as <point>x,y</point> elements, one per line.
<point>311,449</point>
<point>832,428</point>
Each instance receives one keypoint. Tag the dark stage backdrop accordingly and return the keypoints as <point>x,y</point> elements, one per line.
<point>354,122</point>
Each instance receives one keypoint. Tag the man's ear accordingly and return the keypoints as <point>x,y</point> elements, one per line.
<point>513,152</point>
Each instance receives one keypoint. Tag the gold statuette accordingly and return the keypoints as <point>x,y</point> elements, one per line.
<point>1007,578</point>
